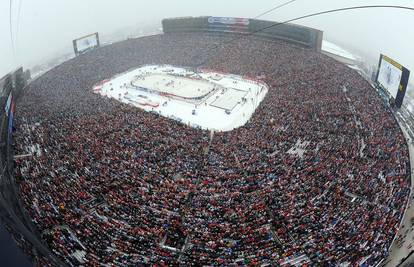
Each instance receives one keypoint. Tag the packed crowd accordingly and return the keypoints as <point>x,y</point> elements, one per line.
<point>108,183</point>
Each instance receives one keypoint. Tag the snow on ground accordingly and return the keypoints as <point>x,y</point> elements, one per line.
<point>337,50</point>
<point>299,148</point>
<point>200,98</point>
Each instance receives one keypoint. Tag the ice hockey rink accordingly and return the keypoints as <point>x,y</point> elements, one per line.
<point>170,84</point>
<point>199,98</point>
<point>229,99</point>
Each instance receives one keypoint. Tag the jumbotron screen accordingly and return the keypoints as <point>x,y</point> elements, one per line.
<point>85,43</point>
<point>393,77</point>
<point>389,75</point>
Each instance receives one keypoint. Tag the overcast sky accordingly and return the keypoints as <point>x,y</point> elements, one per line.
<point>46,28</point>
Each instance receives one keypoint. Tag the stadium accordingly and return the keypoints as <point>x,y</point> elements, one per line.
<point>212,144</point>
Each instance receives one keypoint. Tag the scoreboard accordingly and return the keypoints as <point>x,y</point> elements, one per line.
<point>393,77</point>
<point>86,43</point>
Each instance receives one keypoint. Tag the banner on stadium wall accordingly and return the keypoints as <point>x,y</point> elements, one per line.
<point>229,21</point>
<point>8,103</point>
<point>10,118</point>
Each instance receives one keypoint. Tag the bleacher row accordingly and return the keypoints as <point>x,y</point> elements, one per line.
<point>116,185</point>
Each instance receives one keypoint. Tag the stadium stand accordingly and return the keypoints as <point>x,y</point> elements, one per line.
<point>318,176</point>
<point>296,34</point>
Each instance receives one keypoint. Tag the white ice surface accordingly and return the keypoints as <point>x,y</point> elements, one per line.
<point>181,86</point>
<point>228,99</point>
<point>229,91</point>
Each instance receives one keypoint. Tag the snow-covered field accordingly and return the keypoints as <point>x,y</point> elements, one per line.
<point>199,98</point>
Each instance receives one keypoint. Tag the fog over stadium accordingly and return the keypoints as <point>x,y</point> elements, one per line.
<point>206,133</point>
<point>44,28</point>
